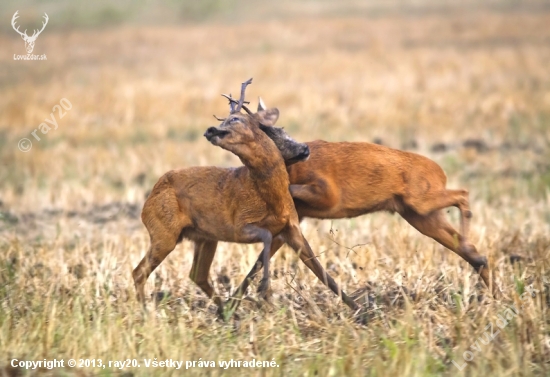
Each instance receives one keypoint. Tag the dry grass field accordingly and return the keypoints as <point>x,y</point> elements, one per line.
<point>468,87</point>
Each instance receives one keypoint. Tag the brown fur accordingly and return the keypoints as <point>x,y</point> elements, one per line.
<point>345,179</point>
<point>208,204</point>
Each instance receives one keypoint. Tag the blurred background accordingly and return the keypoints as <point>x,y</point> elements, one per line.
<point>466,83</point>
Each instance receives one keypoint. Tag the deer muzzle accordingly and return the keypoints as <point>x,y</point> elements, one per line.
<point>303,155</point>
<point>215,132</point>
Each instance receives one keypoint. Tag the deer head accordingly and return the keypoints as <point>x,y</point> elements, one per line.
<point>29,41</point>
<point>238,131</point>
<point>289,147</point>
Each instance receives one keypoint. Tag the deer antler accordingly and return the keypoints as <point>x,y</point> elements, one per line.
<point>46,18</point>
<point>231,106</point>
<point>15,17</point>
<point>240,103</point>
<point>233,101</point>
<point>36,32</point>
<point>241,100</point>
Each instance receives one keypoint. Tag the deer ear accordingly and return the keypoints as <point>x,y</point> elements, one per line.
<point>268,117</point>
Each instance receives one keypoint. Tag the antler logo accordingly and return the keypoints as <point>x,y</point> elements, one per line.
<point>29,41</point>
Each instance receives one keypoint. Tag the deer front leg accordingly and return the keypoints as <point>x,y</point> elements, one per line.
<point>251,234</point>
<point>235,300</point>
<point>264,283</point>
<point>297,241</point>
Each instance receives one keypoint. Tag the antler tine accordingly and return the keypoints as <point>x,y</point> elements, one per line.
<point>36,32</point>
<point>243,89</point>
<point>13,19</point>
<point>219,119</point>
<point>228,96</point>
<point>234,101</point>
<point>46,19</point>
<point>231,102</point>
<point>247,109</point>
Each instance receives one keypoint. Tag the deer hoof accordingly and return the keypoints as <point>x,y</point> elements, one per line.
<point>361,317</point>
<point>263,289</point>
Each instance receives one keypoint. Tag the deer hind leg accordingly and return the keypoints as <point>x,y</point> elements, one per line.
<point>435,225</point>
<point>164,233</point>
<point>297,241</point>
<point>433,201</point>
<point>202,261</point>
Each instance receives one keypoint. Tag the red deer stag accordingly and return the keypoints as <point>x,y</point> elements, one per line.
<point>248,204</point>
<point>349,179</point>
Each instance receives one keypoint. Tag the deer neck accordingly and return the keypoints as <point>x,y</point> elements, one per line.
<point>268,172</point>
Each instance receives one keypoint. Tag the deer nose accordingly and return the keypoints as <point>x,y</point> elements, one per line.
<point>213,131</point>
<point>305,151</point>
<point>209,132</point>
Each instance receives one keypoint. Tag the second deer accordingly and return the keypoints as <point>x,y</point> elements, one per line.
<point>349,179</point>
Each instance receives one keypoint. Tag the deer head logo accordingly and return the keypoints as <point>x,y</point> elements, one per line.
<point>29,41</point>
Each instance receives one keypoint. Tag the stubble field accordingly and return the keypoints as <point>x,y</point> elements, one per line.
<point>469,88</point>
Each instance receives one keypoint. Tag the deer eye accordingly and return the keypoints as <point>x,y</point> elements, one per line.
<point>234,119</point>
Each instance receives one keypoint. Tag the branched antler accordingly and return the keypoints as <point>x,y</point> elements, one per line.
<point>233,101</point>
<point>13,19</point>
<point>243,89</point>
<point>36,32</point>
<point>241,103</point>
<point>46,18</point>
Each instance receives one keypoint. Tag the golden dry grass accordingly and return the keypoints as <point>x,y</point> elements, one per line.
<point>70,232</point>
